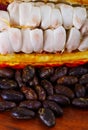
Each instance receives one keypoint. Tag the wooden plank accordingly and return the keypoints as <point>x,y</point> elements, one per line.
<point>73,119</point>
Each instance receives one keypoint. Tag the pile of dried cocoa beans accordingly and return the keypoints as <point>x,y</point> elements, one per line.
<point>43,92</point>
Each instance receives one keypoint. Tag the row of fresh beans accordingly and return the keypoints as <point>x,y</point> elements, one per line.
<point>44,27</point>
<point>43,92</point>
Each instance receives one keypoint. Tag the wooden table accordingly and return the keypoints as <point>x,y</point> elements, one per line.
<point>73,119</point>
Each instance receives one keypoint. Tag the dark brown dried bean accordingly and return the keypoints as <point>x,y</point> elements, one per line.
<point>28,73</point>
<point>79,91</point>
<point>67,80</point>
<point>31,104</point>
<point>41,93</point>
<point>18,78</point>
<point>46,72</point>
<point>8,84</point>
<point>54,107</point>
<point>5,105</point>
<point>47,86</point>
<point>78,71</point>
<point>59,72</point>
<point>63,90</point>
<point>60,99</point>
<point>29,93</point>
<point>22,113</point>
<point>12,95</point>
<point>84,79</point>
<point>47,117</point>
<point>6,72</point>
<point>33,82</point>
<point>80,102</point>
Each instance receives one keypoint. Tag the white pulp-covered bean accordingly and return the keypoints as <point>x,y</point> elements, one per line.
<point>73,40</point>
<point>54,40</point>
<point>79,17</point>
<point>13,10</point>
<point>15,38</point>
<point>4,20</point>
<point>27,46</point>
<point>5,46</point>
<point>84,44</point>
<point>36,37</point>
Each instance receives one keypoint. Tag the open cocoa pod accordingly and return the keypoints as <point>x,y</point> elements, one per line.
<point>57,57</point>
<point>83,2</point>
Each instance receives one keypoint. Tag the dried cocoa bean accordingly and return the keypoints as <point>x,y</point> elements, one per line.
<point>28,73</point>
<point>80,90</point>
<point>12,95</point>
<point>41,93</point>
<point>47,117</point>
<point>59,72</point>
<point>77,71</point>
<point>46,72</point>
<point>22,113</point>
<point>67,80</point>
<point>31,104</point>
<point>84,79</point>
<point>18,78</point>
<point>8,84</point>
<point>63,90</point>
<point>80,102</point>
<point>60,99</point>
<point>54,107</point>
<point>6,72</point>
<point>29,93</point>
<point>47,86</point>
<point>5,105</point>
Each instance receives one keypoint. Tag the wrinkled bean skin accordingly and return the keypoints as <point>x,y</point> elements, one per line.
<point>5,105</point>
<point>34,81</point>
<point>63,90</point>
<point>8,84</point>
<point>59,72</point>
<point>79,91</point>
<point>77,71</point>
<point>47,117</point>
<point>46,72</point>
<point>80,102</point>
<point>67,80</point>
<point>47,86</point>
<point>22,113</point>
<point>31,104</point>
<point>29,93</point>
<point>84,79</point>
<point>28,73</point>
<point>6,72</point>
<point>12,95</point>
<point>60,99</point>
<point>18,78</point>
<point>54,107</point>
<point>41,93</point>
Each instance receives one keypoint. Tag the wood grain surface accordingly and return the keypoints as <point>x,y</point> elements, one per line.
<point>73,119</point>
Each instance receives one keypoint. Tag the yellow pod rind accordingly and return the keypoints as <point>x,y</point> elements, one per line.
<point>21,60</point>
<point>82,2</point>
